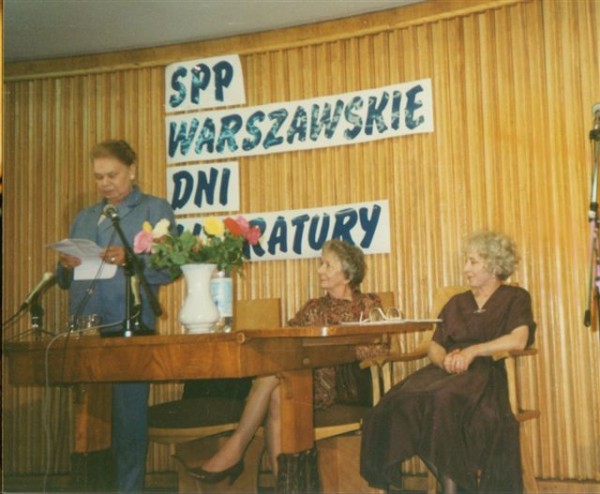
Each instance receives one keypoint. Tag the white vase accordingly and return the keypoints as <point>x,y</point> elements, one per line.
<point>199,312</point>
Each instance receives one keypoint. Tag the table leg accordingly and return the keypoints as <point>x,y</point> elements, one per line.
<point>297,465</point>
<point>92,412</point>
<point>91,462</point>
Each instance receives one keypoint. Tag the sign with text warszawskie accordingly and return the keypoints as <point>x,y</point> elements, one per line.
<point>343,119</point>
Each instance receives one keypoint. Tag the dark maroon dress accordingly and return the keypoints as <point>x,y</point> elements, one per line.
<point>459,423</point>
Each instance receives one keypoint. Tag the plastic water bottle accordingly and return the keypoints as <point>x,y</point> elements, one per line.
<point>221,290</point>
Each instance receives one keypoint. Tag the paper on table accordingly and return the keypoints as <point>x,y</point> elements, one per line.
<point>92,266</point>
<point>390,321</point>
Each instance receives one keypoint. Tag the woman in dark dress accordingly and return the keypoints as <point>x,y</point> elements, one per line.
<point>454,413</point>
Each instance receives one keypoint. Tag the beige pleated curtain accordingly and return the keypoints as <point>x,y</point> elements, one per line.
<point>513,86</point>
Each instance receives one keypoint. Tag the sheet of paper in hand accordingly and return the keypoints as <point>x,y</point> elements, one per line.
<point>92,266</point>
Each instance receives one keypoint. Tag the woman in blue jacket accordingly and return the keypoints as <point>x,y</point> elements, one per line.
<point>114,167</point>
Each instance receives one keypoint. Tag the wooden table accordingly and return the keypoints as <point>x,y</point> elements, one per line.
<point>92,362</point>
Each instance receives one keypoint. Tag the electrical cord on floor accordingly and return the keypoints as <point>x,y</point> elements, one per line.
<point>46,412</point>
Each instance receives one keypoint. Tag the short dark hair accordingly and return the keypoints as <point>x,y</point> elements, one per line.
<point>114,148</point>
<point>352,257</point>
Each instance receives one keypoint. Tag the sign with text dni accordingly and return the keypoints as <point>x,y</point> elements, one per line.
<point>298,234</point>
<point>204,188</point>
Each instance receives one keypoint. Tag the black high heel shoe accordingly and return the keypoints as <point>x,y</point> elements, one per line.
<point>202,475</point>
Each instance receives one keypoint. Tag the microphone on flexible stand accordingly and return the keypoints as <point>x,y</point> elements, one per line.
<point>595,132</point>
<point>32,302</point>
<point>594,272</point>
<point>110,212</point>
<point>47,280</point>
<point>133,268</point>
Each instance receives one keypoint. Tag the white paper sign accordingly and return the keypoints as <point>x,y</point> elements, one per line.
<point>301,233</point>
<point>204,188</point>
<point>336,120</point>
<point>204,83</point>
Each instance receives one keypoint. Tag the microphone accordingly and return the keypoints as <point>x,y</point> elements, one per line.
<point>595,132</point>
<point>47,280</point>
<point>110,212</point>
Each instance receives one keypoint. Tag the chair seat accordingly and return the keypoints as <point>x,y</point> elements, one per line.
<point>525,415</point>
<point>338,419</point>
<point>338,414</point>
<point>196,412</point>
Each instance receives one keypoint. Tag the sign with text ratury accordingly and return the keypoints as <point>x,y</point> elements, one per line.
<point>342,119</point>
<point>301,233</point>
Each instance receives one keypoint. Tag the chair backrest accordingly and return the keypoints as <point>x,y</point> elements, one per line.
<point>261,313</point>
<point>443,294</point>
<point>388,299</point>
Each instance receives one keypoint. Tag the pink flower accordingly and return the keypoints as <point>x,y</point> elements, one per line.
<point>252,235</point>
<point>142,243</point>
<point>244,224</point>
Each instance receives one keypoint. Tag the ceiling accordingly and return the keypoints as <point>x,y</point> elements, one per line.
<point>42,29</point>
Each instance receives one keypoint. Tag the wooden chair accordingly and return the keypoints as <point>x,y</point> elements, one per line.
<point>180,423</point>
<point>386,371</point>
<point>341,418</point>
<point>511,361</point>
<point>337,436</point>
<point>335,430</point>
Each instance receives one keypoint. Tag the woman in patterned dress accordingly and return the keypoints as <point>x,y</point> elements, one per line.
<point>342,269</point>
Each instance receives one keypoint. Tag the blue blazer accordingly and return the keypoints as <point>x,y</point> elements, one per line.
<point>107,297</point>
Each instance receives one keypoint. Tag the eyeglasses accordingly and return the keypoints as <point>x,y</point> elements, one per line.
<point>378,314</point>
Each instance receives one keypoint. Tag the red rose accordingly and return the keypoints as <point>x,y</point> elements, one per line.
<point>234,227</point>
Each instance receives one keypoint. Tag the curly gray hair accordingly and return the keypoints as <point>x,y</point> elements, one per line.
<point>498,251</point>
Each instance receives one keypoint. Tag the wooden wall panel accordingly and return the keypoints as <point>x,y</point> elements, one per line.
<point>513,85</point>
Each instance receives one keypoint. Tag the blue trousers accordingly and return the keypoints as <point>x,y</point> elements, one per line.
<point>130,434</point>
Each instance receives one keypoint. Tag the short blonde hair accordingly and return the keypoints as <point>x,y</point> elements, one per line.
<point>498,251</point>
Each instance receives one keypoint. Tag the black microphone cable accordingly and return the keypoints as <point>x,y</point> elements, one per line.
<point>89,292</point>
<point>52,443</point>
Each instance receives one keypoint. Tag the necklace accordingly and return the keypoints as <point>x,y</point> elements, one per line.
<point>482,298</point>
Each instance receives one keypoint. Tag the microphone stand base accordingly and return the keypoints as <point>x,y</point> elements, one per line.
<point>121,334</point>
<point>140,330</point>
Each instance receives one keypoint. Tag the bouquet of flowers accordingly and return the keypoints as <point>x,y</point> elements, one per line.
<point>222,244</point>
